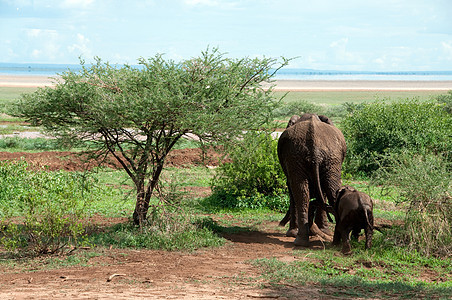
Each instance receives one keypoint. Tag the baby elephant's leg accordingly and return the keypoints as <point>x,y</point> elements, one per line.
<point>345,236</point>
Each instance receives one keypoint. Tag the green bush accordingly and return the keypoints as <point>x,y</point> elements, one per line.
<point>446,100</point>
<point>42,211</point>
<point>424,187</point>
<point>374,130</point>
<point>254,178</point>
<point>286,110</point>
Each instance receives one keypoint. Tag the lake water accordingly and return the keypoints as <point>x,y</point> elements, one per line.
<point>292,74</point>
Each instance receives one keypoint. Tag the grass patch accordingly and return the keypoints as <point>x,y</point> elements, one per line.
<point>169,232</point>
<point>79,258</point>
<point>16,144</point>
<point>327,98</point>
<point>13,93</point>
<point>377,273</point>
<point>10,95</point>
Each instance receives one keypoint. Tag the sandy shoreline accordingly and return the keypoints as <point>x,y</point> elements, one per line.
<point>281,85</point>
<point>25,81</point>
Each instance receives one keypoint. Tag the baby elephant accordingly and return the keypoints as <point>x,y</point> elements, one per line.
<point>353,212</point>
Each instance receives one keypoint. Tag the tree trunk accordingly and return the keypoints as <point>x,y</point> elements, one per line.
<point>144,196</point>
<point>141,206</point>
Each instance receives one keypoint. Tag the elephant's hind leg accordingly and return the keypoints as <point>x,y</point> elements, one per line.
<point>321,220</point>
<point>300,192</point>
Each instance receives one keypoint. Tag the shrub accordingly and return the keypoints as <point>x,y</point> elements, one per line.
<point>254,178</point>
<point>446,100</point>
<point>424,185</point>
<point>42,211</point>
<point>286,110</point>
<point>374,130</point>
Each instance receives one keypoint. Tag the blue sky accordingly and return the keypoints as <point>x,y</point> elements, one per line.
<point>381,35</point>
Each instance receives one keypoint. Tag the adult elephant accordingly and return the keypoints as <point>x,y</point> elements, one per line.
<point>311,152</point>
<point>316,209</point>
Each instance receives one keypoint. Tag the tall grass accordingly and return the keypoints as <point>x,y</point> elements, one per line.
<point>424,185</point>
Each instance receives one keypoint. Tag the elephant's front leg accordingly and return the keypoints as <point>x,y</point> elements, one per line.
<point>300,192</point>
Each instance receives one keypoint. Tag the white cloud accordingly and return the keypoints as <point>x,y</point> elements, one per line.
<point>32,33</point>
<point>447,49</point>
<point>76,3</point>
<point>36,53</point>
<point>44,44</point>
<point>81,46</point>
<point>201,2</point>
<point>339,48</point>
<point>213,3</point>
<point>42,35</point>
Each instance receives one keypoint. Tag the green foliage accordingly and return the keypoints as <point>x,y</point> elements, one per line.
<point>446,100</point>
<point>254,178</point>
<point>373,130</point>
<point>424,184</point>
<point>42,211</point>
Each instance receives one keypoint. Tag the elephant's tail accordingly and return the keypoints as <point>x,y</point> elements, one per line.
<point>327,208</point>
<point>286,219</point>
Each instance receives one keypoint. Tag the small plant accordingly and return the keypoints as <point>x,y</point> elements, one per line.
<point>254,178</point>
<point>446,100</point>
<point>42,211</point>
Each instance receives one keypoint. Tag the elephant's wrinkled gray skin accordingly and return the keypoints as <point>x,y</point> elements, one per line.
<point>320,215</point>
<point>353,213</point>
<point>310,152</point>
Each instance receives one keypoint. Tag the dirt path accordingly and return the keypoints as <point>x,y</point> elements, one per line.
<point>219,273</point>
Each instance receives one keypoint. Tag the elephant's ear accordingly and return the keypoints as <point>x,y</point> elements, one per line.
<point>340,192</point>
<point>325,119</point>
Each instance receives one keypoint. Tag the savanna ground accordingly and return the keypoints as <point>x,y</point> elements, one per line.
<point>255,246</point>
<point>224,272</point>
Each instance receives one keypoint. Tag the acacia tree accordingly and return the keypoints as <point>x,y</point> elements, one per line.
<point>137,114</point>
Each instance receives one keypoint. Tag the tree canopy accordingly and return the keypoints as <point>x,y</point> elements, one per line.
<point>138,113</point>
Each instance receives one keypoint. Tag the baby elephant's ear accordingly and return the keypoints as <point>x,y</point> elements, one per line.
<point>340,192</point>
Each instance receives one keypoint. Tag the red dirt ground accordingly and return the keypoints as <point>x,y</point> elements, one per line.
<point>71,161</point>
<point>219,273</point>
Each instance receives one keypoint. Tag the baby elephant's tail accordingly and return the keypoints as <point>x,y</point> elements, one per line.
<point>367,212</point>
